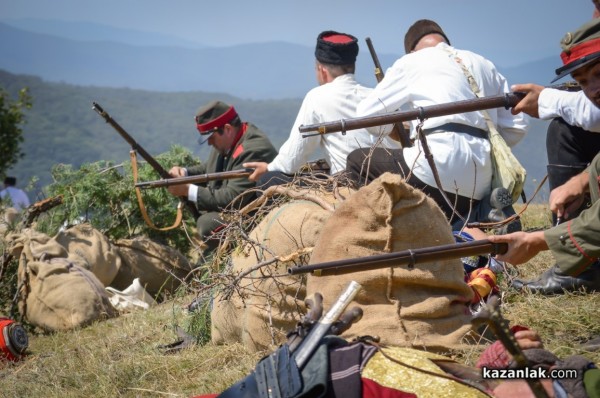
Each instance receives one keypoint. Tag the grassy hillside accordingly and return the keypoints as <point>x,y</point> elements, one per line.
<point>62,127</point>
<point>120,357</point>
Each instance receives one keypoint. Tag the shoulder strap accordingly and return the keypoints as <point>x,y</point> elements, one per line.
<point>474,87</point>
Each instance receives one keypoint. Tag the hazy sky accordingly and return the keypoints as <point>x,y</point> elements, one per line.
<point>509,32</point>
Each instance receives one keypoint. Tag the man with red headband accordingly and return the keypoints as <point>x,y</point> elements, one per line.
<point>576,242</point>
<point>335,98</point>
<point>234,143</point>
<point>572,139</point>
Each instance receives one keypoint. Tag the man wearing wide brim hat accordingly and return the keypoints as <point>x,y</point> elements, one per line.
<point>233,143</point>
<point>575,242</point>
<point>335,98</point>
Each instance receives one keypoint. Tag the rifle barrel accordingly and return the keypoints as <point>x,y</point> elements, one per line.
<point>199,179</point>
<point>134,145</point>
<point>378,70</point>
<point>139,149</point>
<point>410,257</point>
<point>508,100</point>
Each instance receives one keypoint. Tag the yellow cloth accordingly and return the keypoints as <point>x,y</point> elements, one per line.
<point>391,374</point>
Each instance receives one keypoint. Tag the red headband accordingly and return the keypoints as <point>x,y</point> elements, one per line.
<point>580,51</point>
<point>217,122</point>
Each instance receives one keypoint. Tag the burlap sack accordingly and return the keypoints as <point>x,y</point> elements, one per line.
<point>264,308</point>
<point>159,268</point>
<point>56,294</point>
<point>423,307</point>
<point>91,250</point>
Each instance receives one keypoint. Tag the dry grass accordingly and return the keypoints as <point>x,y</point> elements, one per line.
<point>119,357</point>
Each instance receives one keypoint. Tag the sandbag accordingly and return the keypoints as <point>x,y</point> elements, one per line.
<point>424,306</point>
<point>159,268</point>
<point>264,308</point>
<point>90,249</point>
<point>56,294</point>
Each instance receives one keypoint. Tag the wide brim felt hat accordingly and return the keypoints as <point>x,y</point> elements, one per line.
<point>581,47</point>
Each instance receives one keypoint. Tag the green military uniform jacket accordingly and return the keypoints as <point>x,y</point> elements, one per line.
<point>576,243</point>
<point>253,146</point>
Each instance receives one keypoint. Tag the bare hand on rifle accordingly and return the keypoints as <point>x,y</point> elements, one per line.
<point>178,190</point>
<point>567,198</point>
<point>522,246</point>
<point>260,168</point>
<point>528,339</point>
<point>529,104</point>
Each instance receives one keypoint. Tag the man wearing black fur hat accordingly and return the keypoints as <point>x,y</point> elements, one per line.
<point>335,98</point>
<point>233,143</point>
<point>433,72</point>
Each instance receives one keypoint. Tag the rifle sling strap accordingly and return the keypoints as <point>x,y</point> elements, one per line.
<point>138,194</point>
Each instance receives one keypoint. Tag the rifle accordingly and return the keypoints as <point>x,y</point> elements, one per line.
<point>199,179</point>
<point>139,149</point>
<point>398,130</point>
<point>278,374</point>
<point>508,100</point>
<point>491,315</point>
<point>310,343</point>
<point>410,257</point>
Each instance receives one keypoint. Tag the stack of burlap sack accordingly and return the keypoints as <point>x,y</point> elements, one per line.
<point>425,306</point>
<point>63,279</point>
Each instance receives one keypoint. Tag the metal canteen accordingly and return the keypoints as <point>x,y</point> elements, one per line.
<point>13,339</point>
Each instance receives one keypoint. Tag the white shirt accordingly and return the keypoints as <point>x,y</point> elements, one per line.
<point>18,198</point>
<point>326,103</point>
<point>431,77</point>
<point>574,107</point>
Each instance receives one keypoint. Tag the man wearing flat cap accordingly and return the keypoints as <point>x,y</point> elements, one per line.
<point>575,243</point>
<point>335,98</point>
<point>433,72</point>
<point>233,143</point>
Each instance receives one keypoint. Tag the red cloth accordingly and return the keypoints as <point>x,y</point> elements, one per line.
<point>372,389</point>
<point>495,355</point>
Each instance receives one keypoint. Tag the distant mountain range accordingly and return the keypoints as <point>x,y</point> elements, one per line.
<point>153,90</point>
<point>108,57</point>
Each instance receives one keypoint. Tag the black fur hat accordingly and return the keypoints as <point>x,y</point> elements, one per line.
<point>336,48</point>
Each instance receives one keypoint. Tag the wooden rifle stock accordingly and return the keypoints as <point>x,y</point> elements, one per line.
<point>508,100</point>
<point>199,179</point>
<point>139,149</point>
<point>410,257</point>
<point>398,131</point>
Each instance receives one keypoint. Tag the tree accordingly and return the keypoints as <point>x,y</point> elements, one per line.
<point>11,134</point>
